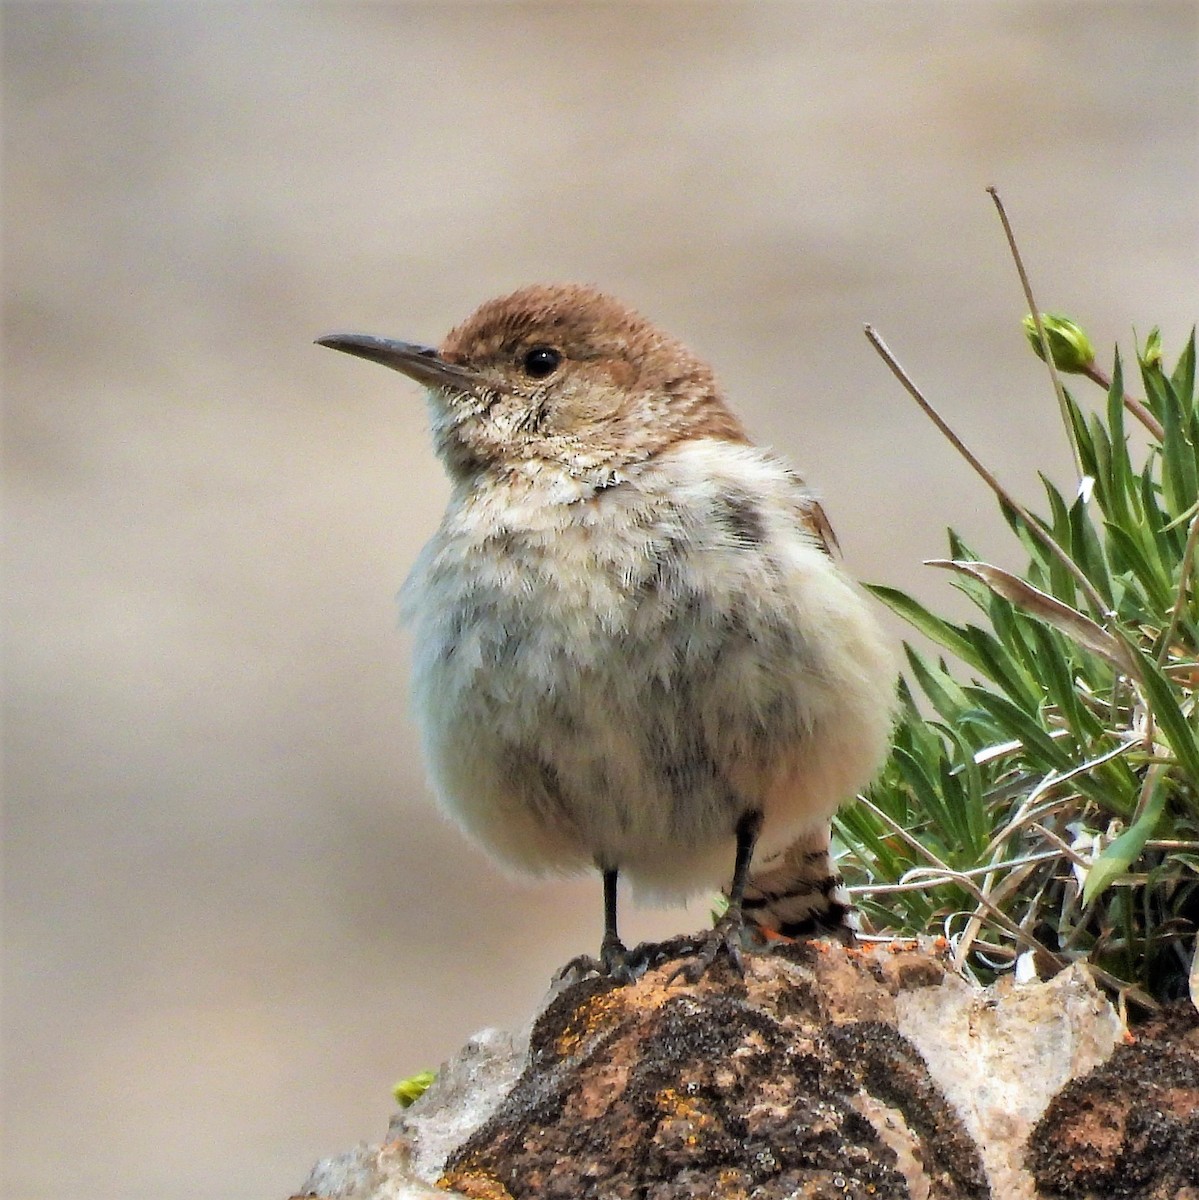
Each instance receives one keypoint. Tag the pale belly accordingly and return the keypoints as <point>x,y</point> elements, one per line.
<point>560,741</point>
<point>618,689</point>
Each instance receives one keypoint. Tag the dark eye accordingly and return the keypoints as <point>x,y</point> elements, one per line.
<point>540,361</point>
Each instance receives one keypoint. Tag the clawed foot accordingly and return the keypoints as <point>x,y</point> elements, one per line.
<point>699,953</point>
<point>616,962</point>
<point>705,948</point>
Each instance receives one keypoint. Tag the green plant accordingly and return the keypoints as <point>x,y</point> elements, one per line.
<point>1046,809</point>
<point>408,1091</point>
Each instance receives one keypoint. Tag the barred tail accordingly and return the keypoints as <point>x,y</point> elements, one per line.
<point>798,893</point>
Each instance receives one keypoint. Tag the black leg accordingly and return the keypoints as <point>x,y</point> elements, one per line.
<point>748,829</point>
<point>725,935</point>
<point>615,960</point>
<point>610,875</point>
<point>613,955</point>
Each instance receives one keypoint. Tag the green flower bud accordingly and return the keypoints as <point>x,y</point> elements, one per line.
<point>1071,348</point>
<point>408,1091</point>
<point>1151,357</point>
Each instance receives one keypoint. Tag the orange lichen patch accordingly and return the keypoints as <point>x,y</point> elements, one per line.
<point>1099,1137</point>
<point>680,1108</point>
<point>478,1185</point>
<point>684,1120</point>
<point>733,1183</point>
<point>851,981</point>
<point>599,1012</point>
<point>903,945</point>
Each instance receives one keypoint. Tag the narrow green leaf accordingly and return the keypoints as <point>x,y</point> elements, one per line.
<point>958,549</point>
<point>1155,396</point>
<point>1121,480</point>
<point>998,663</point>
<point>926,790</point>
<point>1183,378</point>
<point>1059,681</point>
<point>1087,551</point>
<point>1137,551</point>
<point>1120,855</point>
<point>943,691</point>
<point>1108,492</point>
<point>970,807</point>
<point>1156,521</point>
<point>1167,712</point>
<point>884,855</point>
<point>1035,549</point>
<point>915,614</point>
<point>1180,470</point>
<point>1062,583</point>
<point>1082,435</point>
<point>1014,722</point>
<point>1060,527</point>
<point>1014,627</point>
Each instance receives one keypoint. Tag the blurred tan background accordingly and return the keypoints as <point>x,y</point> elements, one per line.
<point>232,918</point>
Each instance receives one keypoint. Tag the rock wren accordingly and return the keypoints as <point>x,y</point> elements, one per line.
<point>634,650</point>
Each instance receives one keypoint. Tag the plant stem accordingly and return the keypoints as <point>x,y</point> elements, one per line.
<point>1005,497</point>
<point>1046,353</point>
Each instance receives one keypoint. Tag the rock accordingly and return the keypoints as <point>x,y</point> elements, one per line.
<point>367,1173</point>
<point>789,1081</point>
<point>1000,1054</point>
<point>465,1093</point>
<point>1130,1128</point>
<point>824,1071</point>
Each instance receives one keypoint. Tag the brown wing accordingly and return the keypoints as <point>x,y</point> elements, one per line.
<point>814,519</point>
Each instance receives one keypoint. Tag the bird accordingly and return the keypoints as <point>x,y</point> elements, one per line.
<point>634,648</point>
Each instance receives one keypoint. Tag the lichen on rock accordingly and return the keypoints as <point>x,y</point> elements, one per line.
<point>873,1072</point>
<point>771,1084</point>
<point>1130,1128</point>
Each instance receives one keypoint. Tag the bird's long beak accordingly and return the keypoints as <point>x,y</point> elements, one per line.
<point>422,363</point>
